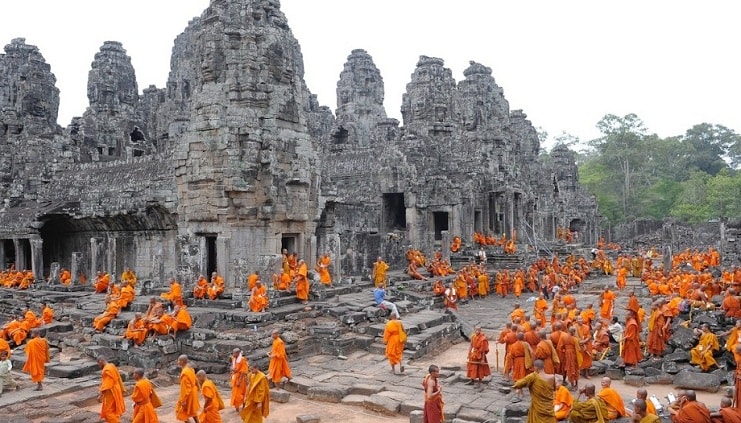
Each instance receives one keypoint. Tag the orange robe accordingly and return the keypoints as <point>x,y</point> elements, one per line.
<point>702,354</point>
<point>259,299</point>
<point>109,314</point>
<point>433,407</point>
<point>216,288</point>
<point>562,402</point>
<point>252,280</point>
<point>607,300</point>
<point>615,404</point>
<point>632,344</point>
<point>278,367</point>
<point>282,282</point>
<point>126,296</point>
<point>239,380</point>
<point>211,411</point>
<point>691,412</point>
<point>111,389</point>
<point>379,272</point>
<point>571,360</point>
<point>259,394</point>
<point>201,289</point>
<point>65,277</point>
<point>395,338</point>
<point>544,352</point>
<point>322,267</point>
<point>183,321</point>
<point>521,359</point>
<point>136,331</point>
<point>31,320</point>
<point>102,282</point>
<point>302,283</point>
<point>478,365</point>
<point>175,295</point>
<point>37,355</point>
<point>187,405</point>
<point>142,396</point>
<point>47,315</point>
<point>655,342</point>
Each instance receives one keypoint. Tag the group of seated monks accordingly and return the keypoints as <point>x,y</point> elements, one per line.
<point>157,320</point>
<point>213,290</point>
<point>17,330</point>
<point>19,279</point>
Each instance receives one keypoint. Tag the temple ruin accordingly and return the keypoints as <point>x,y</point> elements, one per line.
<point>235,159</point>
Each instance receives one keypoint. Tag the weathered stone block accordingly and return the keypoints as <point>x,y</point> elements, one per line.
<point>365,389</point>
<point>416,416</point>
<point>697,381</point>
<point>326,394</point>
<point>279,396</point>
<point>634,380</point>
<point>308,418</point>
<point>382,404</point>
<point>354,399</point>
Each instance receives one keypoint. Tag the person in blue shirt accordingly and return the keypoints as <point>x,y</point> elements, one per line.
<point>379,294</point>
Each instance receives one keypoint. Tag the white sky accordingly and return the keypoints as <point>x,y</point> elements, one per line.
<point>565,63</point>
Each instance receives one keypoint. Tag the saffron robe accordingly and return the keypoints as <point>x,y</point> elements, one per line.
<point>278,367</point>
<point>395,338</point>
<point>541,398</point>
<point>111,389</point>
<point>259,393</point>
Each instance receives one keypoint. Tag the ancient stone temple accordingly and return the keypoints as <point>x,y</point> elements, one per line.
<point>235,159</point>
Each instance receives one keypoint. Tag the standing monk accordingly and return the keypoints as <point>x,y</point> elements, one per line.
<point>212,401</point>
<point>477,367</point>
<point>322,267</point>
<point>239,369</point>
<point>257,403</point>
<point>145,399</point>
<point>546,352</point>
<point>37,355</point>
<point>395,337</point>
<point>379,271</point>
<point>541,386</point>
<point>570,356</point>
<point>187,406</point>
<point>631,342</point>
<point>433,408</point>
<point>607,298</point>
<point>111,392</point>
<point>302,282</point>
<point>278,367</point>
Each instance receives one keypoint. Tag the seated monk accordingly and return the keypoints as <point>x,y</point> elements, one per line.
<point>455,246</point>
<point>702,354</point>
<point>217,286</point>
<point>65,277</point>
<point>15,330</point>
<point>30,318</point>
<point>727,412</point>
<point>175,294</point>
<point>110,313</point>
<point>101,282</point>
<point>136,330</point>
<point>154,318</point>
<point>412,271</point>
<point>258,298</point>
<point>128,277</point>
<point>562,400</point>
<point>252,280</point>
<point>592,410</point>
<point>183,321</point>
<point>282,282</point>
<point>438,288</point>
<point>615,404</point>
<point>200,290</point>
<point>510,247</point>
<point>690,410</point>
<point>731,304</point>
<point>126,296</point>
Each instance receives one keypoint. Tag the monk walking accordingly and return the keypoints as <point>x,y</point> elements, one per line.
<point>433,408</point>
<point>145,399</point>
<point>212,402</point>
<point>278,368</point>
<point>257,403</point>
<point>395,337</point>
<point>541,386</point>
<point>111,392</point>
<point>631,342</point>
<point>302,282</point>
<point>187,406</point>
<point>477,367</point>
<point>37,355</point>
<point>239,370</point>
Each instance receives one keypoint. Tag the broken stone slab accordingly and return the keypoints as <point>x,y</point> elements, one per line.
<point>410,406</point>
<point>698,381</point>
<point>677,356</point>
<point>279,396</point>
<point>518,409</point>
<point>472,414</point>
<point>382,404</point>
<point>72,369</point>
<point>635,371</point>
<point>416,416</point>
<point>451,410</point>
<point>326,394</point>
<point>353,399</point>
<point>366,389</point>
<point>682,338</point>
<point>634,380</point>
<point>614,373</point>
<point>300,384</point>
<point>308,418</point>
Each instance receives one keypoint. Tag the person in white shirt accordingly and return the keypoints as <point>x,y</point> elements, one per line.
<point>616,330</point>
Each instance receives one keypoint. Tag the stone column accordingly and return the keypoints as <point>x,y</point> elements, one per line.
<point>222,259</point>
<point>94,250</point>
<point>3,265</point>
<point>74,267</point>
<point>510,215</point>
<point>37,258</point>
<point>334,250</point>
<point>445,244</point>
<point>111,259</point>
<point>314,251</point>
<point>20,261</point>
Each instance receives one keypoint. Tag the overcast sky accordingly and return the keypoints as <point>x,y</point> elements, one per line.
<point>565,63</point>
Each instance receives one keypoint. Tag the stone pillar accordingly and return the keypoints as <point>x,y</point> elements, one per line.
<point>314,249</point>
<point>20,260</point>
<point>335,254</point>
<point>3,265</point>
<point>54,272</point>
<point>74,267</point>
<point>37,258</point>
<point>510,215</point>
<point>445,244</point>
<point>111,259</point>
<point>222,260</point>
<point>94,250</point>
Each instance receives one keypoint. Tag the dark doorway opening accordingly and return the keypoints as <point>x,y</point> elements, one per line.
<point>210,254</point>
<point>440,220</point>
<point>394,212</point>
<point>24,258</point>
<point>288,242</point>
<point>478,224</point>
<point>9,252</point>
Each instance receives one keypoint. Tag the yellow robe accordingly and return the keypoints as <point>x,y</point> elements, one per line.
<point>187,405</point>
<point>111,388</point>
<point>541,399</point>
<point>702,354</point>
<point>211,411</point>
<point>257,402</point>
<point>593,410</point>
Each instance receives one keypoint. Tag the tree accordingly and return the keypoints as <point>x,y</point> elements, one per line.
<point>709,145</point>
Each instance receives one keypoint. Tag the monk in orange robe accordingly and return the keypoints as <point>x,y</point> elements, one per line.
<point>438,288</point>
<point>128,277</point>
<point>187,405</point>
<point>570,356</point>
<point>145,398</point>
<point>690,410</point>
<point>258,298</point>
<point>101,282</point>
<point>522,359</point>
<point>182,319</point>
<point>731,304</point>
<point>175,294</point>
<point>217,286</point>
<point>455,245</point>
<point>322,268</point>
<point>433,406</point>
<point>65,277</point>
<point>546,352</point>
<point>727,413</point>
<point>110,313</point>
<point>200,290</point>
<point>539,309</point>
<point>281,282</point>
<point>380,268</point>
<point>412,271</point>
<point>655,342</point>
<point>238,381</point>
<point>136,331</point>
<point>611,397</point>
<point>30,318</point>
<point>483,284</point>
<point>278,368</point>
<point>252,279</point>
<point>395,337</point>
<point>517,313</point>
<point>212,401</point>
<point>621,277</point>
<point>111,392</point>
<point>302,282</point>
<point>608,298</point>
<point>37,355</point>
<point>257,403</point>
<point>47,314</point>
<point>702,354</point>
<point>540,384</point>
<point>631,342</point>
<point>562,401</point>
<point>477,367</point>
<point>126,296</point>
<point>5,347</point>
